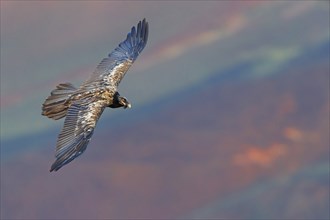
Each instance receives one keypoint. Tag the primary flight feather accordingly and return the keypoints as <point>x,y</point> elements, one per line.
<point>83,106</point>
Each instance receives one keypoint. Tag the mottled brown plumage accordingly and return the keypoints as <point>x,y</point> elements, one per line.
<point>83,106</point>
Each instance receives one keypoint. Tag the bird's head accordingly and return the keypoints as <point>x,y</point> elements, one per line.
<point>124,102</point>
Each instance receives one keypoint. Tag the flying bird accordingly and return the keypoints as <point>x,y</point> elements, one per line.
<point>83,106</point>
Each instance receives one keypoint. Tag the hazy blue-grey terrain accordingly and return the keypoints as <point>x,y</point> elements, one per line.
<point>230,114</point>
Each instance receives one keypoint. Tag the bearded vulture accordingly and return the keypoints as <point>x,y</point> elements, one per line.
<point>83,106</point>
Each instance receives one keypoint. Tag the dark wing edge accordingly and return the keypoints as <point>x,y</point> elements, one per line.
<point>123,56</point>
<point>77,131</point>
<point>135,42</point>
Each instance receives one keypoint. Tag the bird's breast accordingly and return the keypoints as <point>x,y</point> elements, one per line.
<point>106,94</point>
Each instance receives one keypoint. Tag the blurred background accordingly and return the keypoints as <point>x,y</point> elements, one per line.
<point>230,114</point>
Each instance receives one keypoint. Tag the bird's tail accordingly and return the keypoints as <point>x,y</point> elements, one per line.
<point>55,106</point>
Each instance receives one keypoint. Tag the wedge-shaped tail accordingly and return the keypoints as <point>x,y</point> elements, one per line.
<point>56,105</point>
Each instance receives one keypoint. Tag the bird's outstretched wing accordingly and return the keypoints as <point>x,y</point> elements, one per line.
<point>112,69</point>
<point>78,129</point>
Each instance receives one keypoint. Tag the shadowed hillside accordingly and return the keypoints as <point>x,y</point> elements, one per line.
<point>230,114</point>
<point>198,150</point>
